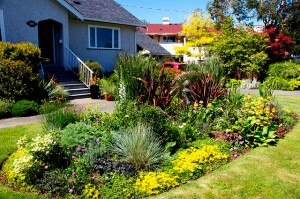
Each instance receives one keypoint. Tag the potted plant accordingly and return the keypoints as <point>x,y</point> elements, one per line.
<point>94,88</point>
<point>108,88</point>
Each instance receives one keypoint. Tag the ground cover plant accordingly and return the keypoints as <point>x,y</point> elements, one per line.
<point>141,148</point>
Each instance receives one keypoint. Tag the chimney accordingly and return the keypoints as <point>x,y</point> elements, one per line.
<point>166,21</point>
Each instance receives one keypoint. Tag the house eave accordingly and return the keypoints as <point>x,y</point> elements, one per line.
<point>113,22</point>
<point>71,9</point>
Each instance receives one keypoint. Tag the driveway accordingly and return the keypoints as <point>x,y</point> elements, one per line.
<point>276,92</point>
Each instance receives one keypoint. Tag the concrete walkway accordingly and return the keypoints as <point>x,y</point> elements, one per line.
<point>276,92</point>
<point>105,106</point>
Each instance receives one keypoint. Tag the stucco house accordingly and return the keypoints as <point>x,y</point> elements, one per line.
<point>95,30</point>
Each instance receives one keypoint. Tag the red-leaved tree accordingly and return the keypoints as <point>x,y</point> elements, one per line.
<point>280,45</point>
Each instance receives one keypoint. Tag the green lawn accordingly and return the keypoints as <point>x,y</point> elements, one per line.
<point>271,172</point>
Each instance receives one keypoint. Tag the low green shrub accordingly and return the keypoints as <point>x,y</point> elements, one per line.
<point>17,80</point>
<point>285,70</point>
<point>5,108</point>
<point>25,108</point>
<point>139,146</point>
<point>79,134</point>
<point>26,52</point>
<point>95,67</point>
<point>108,86</point>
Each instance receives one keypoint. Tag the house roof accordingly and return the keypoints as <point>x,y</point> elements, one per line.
<point>147,43</point>
<point>102,10</point>
<point>168,29</point>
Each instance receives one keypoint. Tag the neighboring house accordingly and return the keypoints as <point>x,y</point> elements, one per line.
<point>144,42</point>
<point>168,36</point>
<point>96,30</point>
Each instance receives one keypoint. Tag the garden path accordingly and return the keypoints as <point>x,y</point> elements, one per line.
<point>276,92</point>
<point>105,106</point>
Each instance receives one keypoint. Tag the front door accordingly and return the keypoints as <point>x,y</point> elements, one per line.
<point>47,41</point>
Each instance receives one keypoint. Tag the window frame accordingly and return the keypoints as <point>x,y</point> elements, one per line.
<point>113,39</point>
<point>2,28</point>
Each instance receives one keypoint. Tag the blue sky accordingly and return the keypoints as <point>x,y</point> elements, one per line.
<point>155,16</point>
<point>176,6</point>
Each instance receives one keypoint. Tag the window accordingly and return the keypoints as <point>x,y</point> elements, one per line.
<point>169,39</point>
<point>2,31</point>
<point>104,37</point>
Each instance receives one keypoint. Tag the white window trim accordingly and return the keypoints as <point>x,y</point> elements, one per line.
<point>113,40</point>
<point>2,26</point>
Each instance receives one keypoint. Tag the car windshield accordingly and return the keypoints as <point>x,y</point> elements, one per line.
<point>181,66</point>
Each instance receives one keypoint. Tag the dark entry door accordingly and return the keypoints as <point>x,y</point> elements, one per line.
<point>46,40</point>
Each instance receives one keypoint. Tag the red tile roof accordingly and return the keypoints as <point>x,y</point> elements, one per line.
<point>167,29</point>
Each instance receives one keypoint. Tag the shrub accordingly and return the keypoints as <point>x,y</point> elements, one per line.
<point>17,80</point>
<point>95,67</point>
<point>26,52</point>
<point>286,70</point>
<point>25,108</point>
<point>108,86</point>
<point>107,165</point>
<point>139,146</point>
<point>5,108</point>
<point>79,135</point>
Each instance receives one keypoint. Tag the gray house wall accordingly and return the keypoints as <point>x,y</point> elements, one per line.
<point>18,12</point>
<point>79,43</point>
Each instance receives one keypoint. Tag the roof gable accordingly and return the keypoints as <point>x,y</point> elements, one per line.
<point>145,42</point>
<point>105,11</point>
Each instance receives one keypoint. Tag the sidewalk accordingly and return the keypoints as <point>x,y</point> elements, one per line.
<point>105,106</point>
<point>276,92</point>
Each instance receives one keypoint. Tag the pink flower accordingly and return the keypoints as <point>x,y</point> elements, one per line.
<point>231,149</point>
<point>97,140</point>
<point>70,180</point>
<point>79,149</point>
<point>97,119</point>
<point>106,178</point>
<point>47,152</point>
<point>78,113</point>
<point>217,140</point>
<point>74,113</point>
<point>73,156</point>
<point>81,120</point>
<point>71,191</point>
<point>73,173</point>
<point>235,155</point>
<point>82,150</point>
<point>46,167</point>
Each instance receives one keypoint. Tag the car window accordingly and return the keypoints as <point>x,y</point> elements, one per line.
<point>169,65</point>
<point>181,67</point>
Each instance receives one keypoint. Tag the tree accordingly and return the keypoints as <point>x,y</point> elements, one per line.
<point>241,50</point>
<point>197,31</point>
<point>273,13</point>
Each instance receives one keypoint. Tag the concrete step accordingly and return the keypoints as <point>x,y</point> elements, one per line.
<point>79,96</point>
<point>79,91</point>
<point>74,86</point>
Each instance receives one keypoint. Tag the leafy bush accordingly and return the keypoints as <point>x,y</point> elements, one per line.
<point>17,80</point>
<point>55,92</point>
<point>25,52</point>
<point>95,67</point>
<point>25,108</point>
<point>5,108</point>
<point>139,146</point>
<point>286,70</point>
<point>79,135</point>
<point>59,118</point>
<point>108,165</point>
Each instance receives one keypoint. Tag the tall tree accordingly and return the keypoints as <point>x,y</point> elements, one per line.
<point>197,31</point>
<point>273,13</point>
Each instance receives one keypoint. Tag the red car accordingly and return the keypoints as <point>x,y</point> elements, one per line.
<point>177,66</point>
